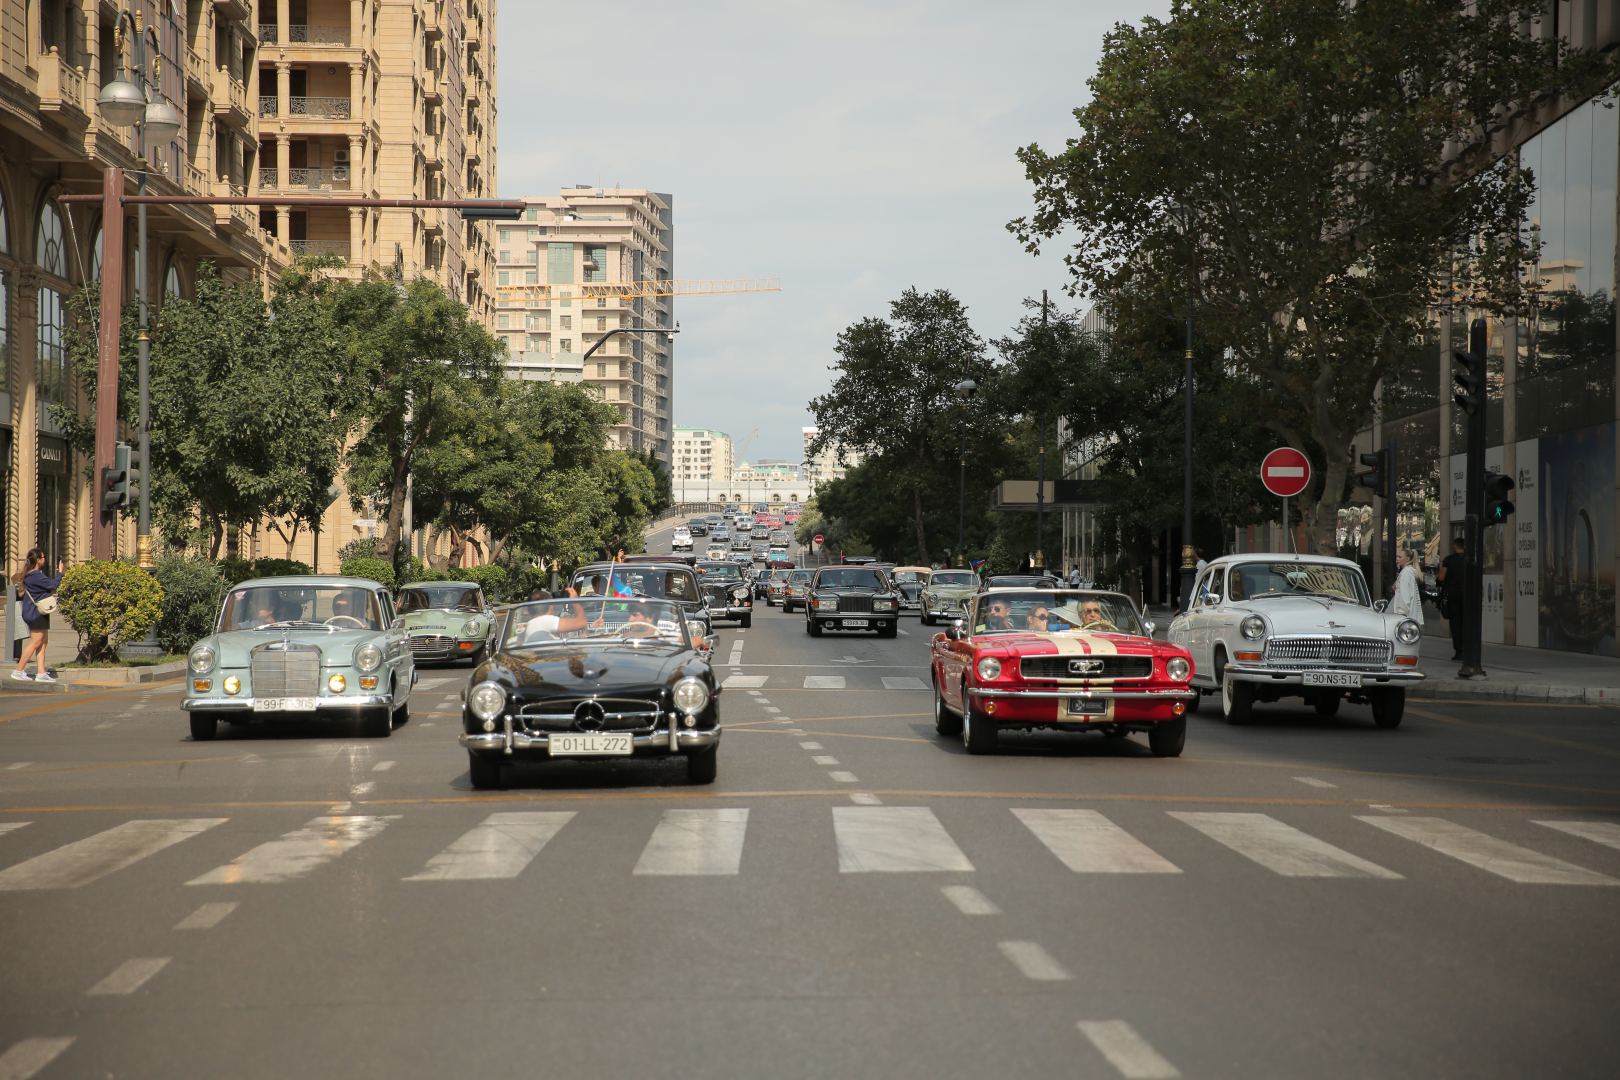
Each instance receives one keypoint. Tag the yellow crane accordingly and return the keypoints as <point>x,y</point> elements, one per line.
<point>636,290</point>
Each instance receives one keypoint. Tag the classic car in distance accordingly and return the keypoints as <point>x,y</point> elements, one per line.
<point>681,539</point>
<point>719,535</point>
<point>1262,627</point>
<point>296,647</point>
<point>698,526</point>
<point>796,589</point>
<point>1027,659</point>
<point>715,552</point>
<point>909,582</point>
<point>656,577</point>
<point>775,586</point>
<point>1022,581</point>
<point>851,598</point>
<point>946,595</point>
<point>592,677</point>
<point>445,620</point>
<point>728,593</point>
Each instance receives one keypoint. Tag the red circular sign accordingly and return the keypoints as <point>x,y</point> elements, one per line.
<point>819,539</point>
<point>1285,472</point>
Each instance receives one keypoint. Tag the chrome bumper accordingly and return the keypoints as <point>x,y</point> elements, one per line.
<point>326,704</point>
<point>669,740</point>
<point>1296,676</point>
<point>1186,694</point>
<point>730,612</point>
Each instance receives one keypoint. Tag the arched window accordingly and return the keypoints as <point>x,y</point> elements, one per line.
<point>95,257</point>
<point>50,253</point>
<point>171,281</point>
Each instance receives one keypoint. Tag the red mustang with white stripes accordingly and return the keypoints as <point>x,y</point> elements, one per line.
<point>1070,660</point>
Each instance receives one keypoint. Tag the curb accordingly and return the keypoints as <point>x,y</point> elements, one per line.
<point>102,677</point>
<point>1538,692</point>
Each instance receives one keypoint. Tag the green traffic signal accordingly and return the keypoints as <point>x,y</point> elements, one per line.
<point>1498,504</point>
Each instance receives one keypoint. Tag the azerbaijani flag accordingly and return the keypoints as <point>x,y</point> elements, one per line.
<point>619,587</point>
<point>975,565</point>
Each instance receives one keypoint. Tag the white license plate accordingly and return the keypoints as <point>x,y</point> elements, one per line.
<point>577,745</point>
<point>284,704</point>
<point>854,622</point>
<point>1333,678</point>
<point>1079,706</point>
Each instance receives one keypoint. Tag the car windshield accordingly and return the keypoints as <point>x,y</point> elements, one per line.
<point>850,578</point>
<point>1055,611</point>
<point>653,582</point>
<point>720,571</point>
<point>906,577</point>
<point>1252,581</point>
<point>284,607</point>
<point>799,577</point>
<point>547,623</point>
<point>431,597</point>
<point>953,579</point>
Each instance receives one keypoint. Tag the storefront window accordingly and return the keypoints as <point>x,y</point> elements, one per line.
<point>51,253</point>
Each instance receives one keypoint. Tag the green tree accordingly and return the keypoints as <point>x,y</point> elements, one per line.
<point>664,485</point>
<point>1288,162</point>
<point>625,513</point>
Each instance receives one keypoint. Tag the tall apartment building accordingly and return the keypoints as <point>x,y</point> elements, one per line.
<point>826,465</point>
<point>569,242</point>
<point>701,455</point>
<point>390,99</point>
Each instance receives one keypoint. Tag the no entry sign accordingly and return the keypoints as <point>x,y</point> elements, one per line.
<point>1285,472</point>
<point>819,540</point>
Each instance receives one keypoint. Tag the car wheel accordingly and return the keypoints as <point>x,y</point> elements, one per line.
<point>402,714</point>
<point>978,730</point>
<point>946,722</point>
<point>746,621</point>
<point>927,619</point>
<point>1167,739</point>
<point>485,773</point>
<point>812,628</point>
<point>891,630</point>
<point>478,657</point>
<point>204,728</point>
<point>1388,706</point>
<point>703,765</point>
<point>1192,706</point>
<point>1327,705</point>
<point>379,722</point>
<point>1237,698</point>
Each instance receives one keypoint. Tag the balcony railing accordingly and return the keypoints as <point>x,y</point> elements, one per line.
<point>305,34</point>
<point>267,105</point>
<point>301,248</point>
<point>196,180</point>
<point>228,88</point>
<point>306,178</point>
<point>60,85</point>
<point>325,108</point>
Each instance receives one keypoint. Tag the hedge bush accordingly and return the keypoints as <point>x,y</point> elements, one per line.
<point>416,570</point>
<point>494,580</point>
<point>236,571</point>
<point>192,591</point>
<point>364,548</point>
<point>362,566</point>
<point>109,603</point>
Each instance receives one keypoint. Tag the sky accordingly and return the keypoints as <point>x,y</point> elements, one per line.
<point>849,149</point>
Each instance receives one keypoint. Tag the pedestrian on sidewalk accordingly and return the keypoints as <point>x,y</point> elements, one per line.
<point>1452,578</point>
<point>1408,600</point>
<point>34,587</point>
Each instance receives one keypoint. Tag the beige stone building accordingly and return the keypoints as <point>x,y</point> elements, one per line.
<point>832,463</point>
<point>391,98</point>
<point>587,236</point>
<point>702,459</point>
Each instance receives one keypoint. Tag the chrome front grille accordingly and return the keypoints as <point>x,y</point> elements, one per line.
<point>860,605</point>
<point>1329,651</point>
<point>432,643</point>
<point>286,669</point>
<point>1086,667</point>
<point>616,714</point>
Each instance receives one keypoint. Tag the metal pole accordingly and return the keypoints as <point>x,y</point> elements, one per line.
<point>1040,457</point>
<point>1392,487</point>
<point>143,355</point>
<point>1474,599</point>
<point>1188,560</point>
<point>107,360</point>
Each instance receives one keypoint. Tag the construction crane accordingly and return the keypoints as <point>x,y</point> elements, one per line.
<point>636,290</point>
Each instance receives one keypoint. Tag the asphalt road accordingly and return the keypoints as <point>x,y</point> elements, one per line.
<point>854,896</point>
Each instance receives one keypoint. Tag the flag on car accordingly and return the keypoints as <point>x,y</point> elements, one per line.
<point>975,565</point>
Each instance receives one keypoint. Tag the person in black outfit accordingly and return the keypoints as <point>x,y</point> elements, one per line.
<point>1453,580</point>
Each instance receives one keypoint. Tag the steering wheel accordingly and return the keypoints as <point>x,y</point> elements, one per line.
<point>348,619</point>
<point>638,630</point>
<point>1100,624</point>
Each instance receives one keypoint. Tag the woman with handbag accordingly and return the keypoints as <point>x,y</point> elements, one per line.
<point>37,591</point>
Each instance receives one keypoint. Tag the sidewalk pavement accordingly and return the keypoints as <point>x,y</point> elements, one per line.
<point>1512,673</point>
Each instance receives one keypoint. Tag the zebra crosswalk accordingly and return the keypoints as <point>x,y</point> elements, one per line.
<point>862,839</point>
<point>864,681</point>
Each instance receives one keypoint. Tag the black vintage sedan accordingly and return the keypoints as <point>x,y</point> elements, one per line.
<point>592,677</point>
<point>852,598</point>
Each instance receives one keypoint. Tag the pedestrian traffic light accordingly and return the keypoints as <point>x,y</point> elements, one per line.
<point>1498,504</point>
<point>1380,475</point>
<point>118,480</point>
<point>1468,379</point>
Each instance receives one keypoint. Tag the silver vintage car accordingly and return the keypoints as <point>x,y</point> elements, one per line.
<point>292,647</point>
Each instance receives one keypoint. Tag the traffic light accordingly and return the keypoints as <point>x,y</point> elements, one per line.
<point>1498,504</point>
<point>1380,475</point>
<point>1468,379</point>
<point>118,480</point>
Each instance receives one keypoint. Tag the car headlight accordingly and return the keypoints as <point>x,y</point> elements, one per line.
<point>1407,632</point>
<point>1178,669</point>
<point>367,658</point>
<point>740,594</point>
<point>691,696</point>
<point>989,668</point>
<point>475,628</point>
<point>486,700</point>
<point>202,659</point>
<point>826,604</point>
<point>883,605</point>
<point>1253,627</point>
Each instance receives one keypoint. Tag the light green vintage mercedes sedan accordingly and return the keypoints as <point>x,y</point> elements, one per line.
<point>446,620</point>
<point>296,647</point>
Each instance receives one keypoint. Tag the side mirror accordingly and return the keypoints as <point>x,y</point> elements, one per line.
<point>957,630</point>
<point>399,622</point>
<point>1149,626</point>
<point>1380,605</point>
<point>698,633</point>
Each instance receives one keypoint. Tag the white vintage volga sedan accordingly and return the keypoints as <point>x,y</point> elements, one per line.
<point>1264,627</point>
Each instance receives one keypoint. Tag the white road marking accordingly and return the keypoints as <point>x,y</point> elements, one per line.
<point>864,798</point>
<point>823,682</point>
<point>105,724</point>
<point>383,766</point>
<point>498,848</point>
<point>824,759</point>
<point>1311,781</point>
<point>10,826</point>
<point>426,723</point>
<point>297,853</point>
<point>810,746</point>
<point>207,917</point>
<point>1488,853</point>
<point>1386,808</point>
<point>15,765</point>
<point>24,1059</point>
<point>969,901</point>
<point>744,681</point>
<point>1606,833</point>
<point>1033,962</point>
<point>84,861</point>
<point>1127,1051</point>
<point>341,807</point>
<point>695,842</point>
<point>1281,848</point>
<point>903,682</point>
<point>250,759</point>
<point>1088,843</point>
<point>130,976</point>
<point>894,839</point>
<point>903,632</point>
<point>360,790</point>
<point>840,776</point>
<point>773,709</point>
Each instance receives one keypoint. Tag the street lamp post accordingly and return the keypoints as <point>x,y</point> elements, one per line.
<point>964,390</point>
<point>1189,560</point>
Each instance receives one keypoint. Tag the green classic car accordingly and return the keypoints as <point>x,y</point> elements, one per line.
<point>446,620</point>
<point>947,594</point>
<point>296,647</point>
